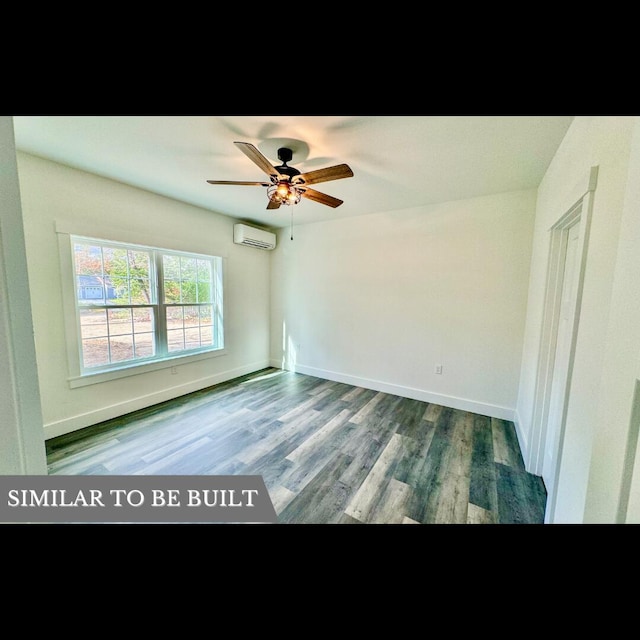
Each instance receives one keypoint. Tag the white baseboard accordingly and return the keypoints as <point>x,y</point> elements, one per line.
<point>523,441</point>
<point>482,408</point>
<point>60,427</point>
<point>67,425</point>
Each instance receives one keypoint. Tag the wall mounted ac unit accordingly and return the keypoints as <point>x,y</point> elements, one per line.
<point>252,237</point>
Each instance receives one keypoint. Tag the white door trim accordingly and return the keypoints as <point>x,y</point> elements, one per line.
<point>579,213</point>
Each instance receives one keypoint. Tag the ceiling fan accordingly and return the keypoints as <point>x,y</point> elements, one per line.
<point>286,184</point>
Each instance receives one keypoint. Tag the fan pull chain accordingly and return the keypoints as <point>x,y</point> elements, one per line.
<point>292,223</point>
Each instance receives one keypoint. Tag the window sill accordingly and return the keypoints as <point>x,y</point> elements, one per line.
<point>137,369</point>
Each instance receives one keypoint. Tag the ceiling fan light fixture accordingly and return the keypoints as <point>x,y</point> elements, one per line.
<point>284,193</point>
<point>286,184</point>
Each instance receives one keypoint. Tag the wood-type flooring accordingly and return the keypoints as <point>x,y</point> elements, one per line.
<point>328,452</point>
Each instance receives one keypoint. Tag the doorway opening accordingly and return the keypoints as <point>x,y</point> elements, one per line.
<point>565,275</point>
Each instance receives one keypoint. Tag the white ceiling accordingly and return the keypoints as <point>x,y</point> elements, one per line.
<point>398,161</point>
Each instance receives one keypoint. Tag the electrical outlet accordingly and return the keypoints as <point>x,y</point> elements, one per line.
<point>174,370</point>
<point>439,369</point>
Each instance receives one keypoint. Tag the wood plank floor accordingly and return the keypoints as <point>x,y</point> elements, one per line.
<point>328,452</point>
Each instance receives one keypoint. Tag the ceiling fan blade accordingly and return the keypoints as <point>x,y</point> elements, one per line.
<point>273,205</point>
<point>250,184</point>
<point>324,175</point>
<point>254,154</point>
<point>322,198</point>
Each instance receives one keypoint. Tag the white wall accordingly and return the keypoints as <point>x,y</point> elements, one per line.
<point>611,477</point>
<point>52,192</point>
<point>22,442</point>
<point>379,300</point>
<point>590,141</point>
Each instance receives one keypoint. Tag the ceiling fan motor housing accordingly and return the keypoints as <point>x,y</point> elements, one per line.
<point>285,155</point>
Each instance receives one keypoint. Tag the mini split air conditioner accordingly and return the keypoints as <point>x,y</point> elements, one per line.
<point>253,237</point>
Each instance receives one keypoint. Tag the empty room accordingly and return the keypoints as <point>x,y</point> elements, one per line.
<point>380,319</point>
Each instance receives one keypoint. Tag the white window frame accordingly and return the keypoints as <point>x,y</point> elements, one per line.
<point>79,376</point>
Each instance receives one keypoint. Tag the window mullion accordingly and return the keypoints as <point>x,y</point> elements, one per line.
<point>161,314</point>
<point>217,318</point>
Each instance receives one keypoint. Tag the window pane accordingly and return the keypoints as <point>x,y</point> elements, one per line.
<point>144,337</point>
<point>192,338</point>
<point>121,348</point>
<point>90,290</point>
<point>88,259</point>
<point>143,320</point>
<point>191,316</point>
<point>171,291</point>
<point>116,262</point>
<point>204,292</point>
<point>188,268</point>
<point>93,323</point>
<point>139,264</point>
<point>175,340</point>
<point>188,279</point>
<point>174,318</point>
<point>117,291</point>
<point>171,267</point>
<point>140,291</point>
<point>206,326</point>
<point>206,336</point>
<point>189,291</point>
<point>206,315</point>
<point>95,352</point>
<point>204,270</point>
<point>119,322</point>
<point>144,344</point>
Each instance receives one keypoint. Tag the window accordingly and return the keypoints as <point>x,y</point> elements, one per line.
<point>137,304</point>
